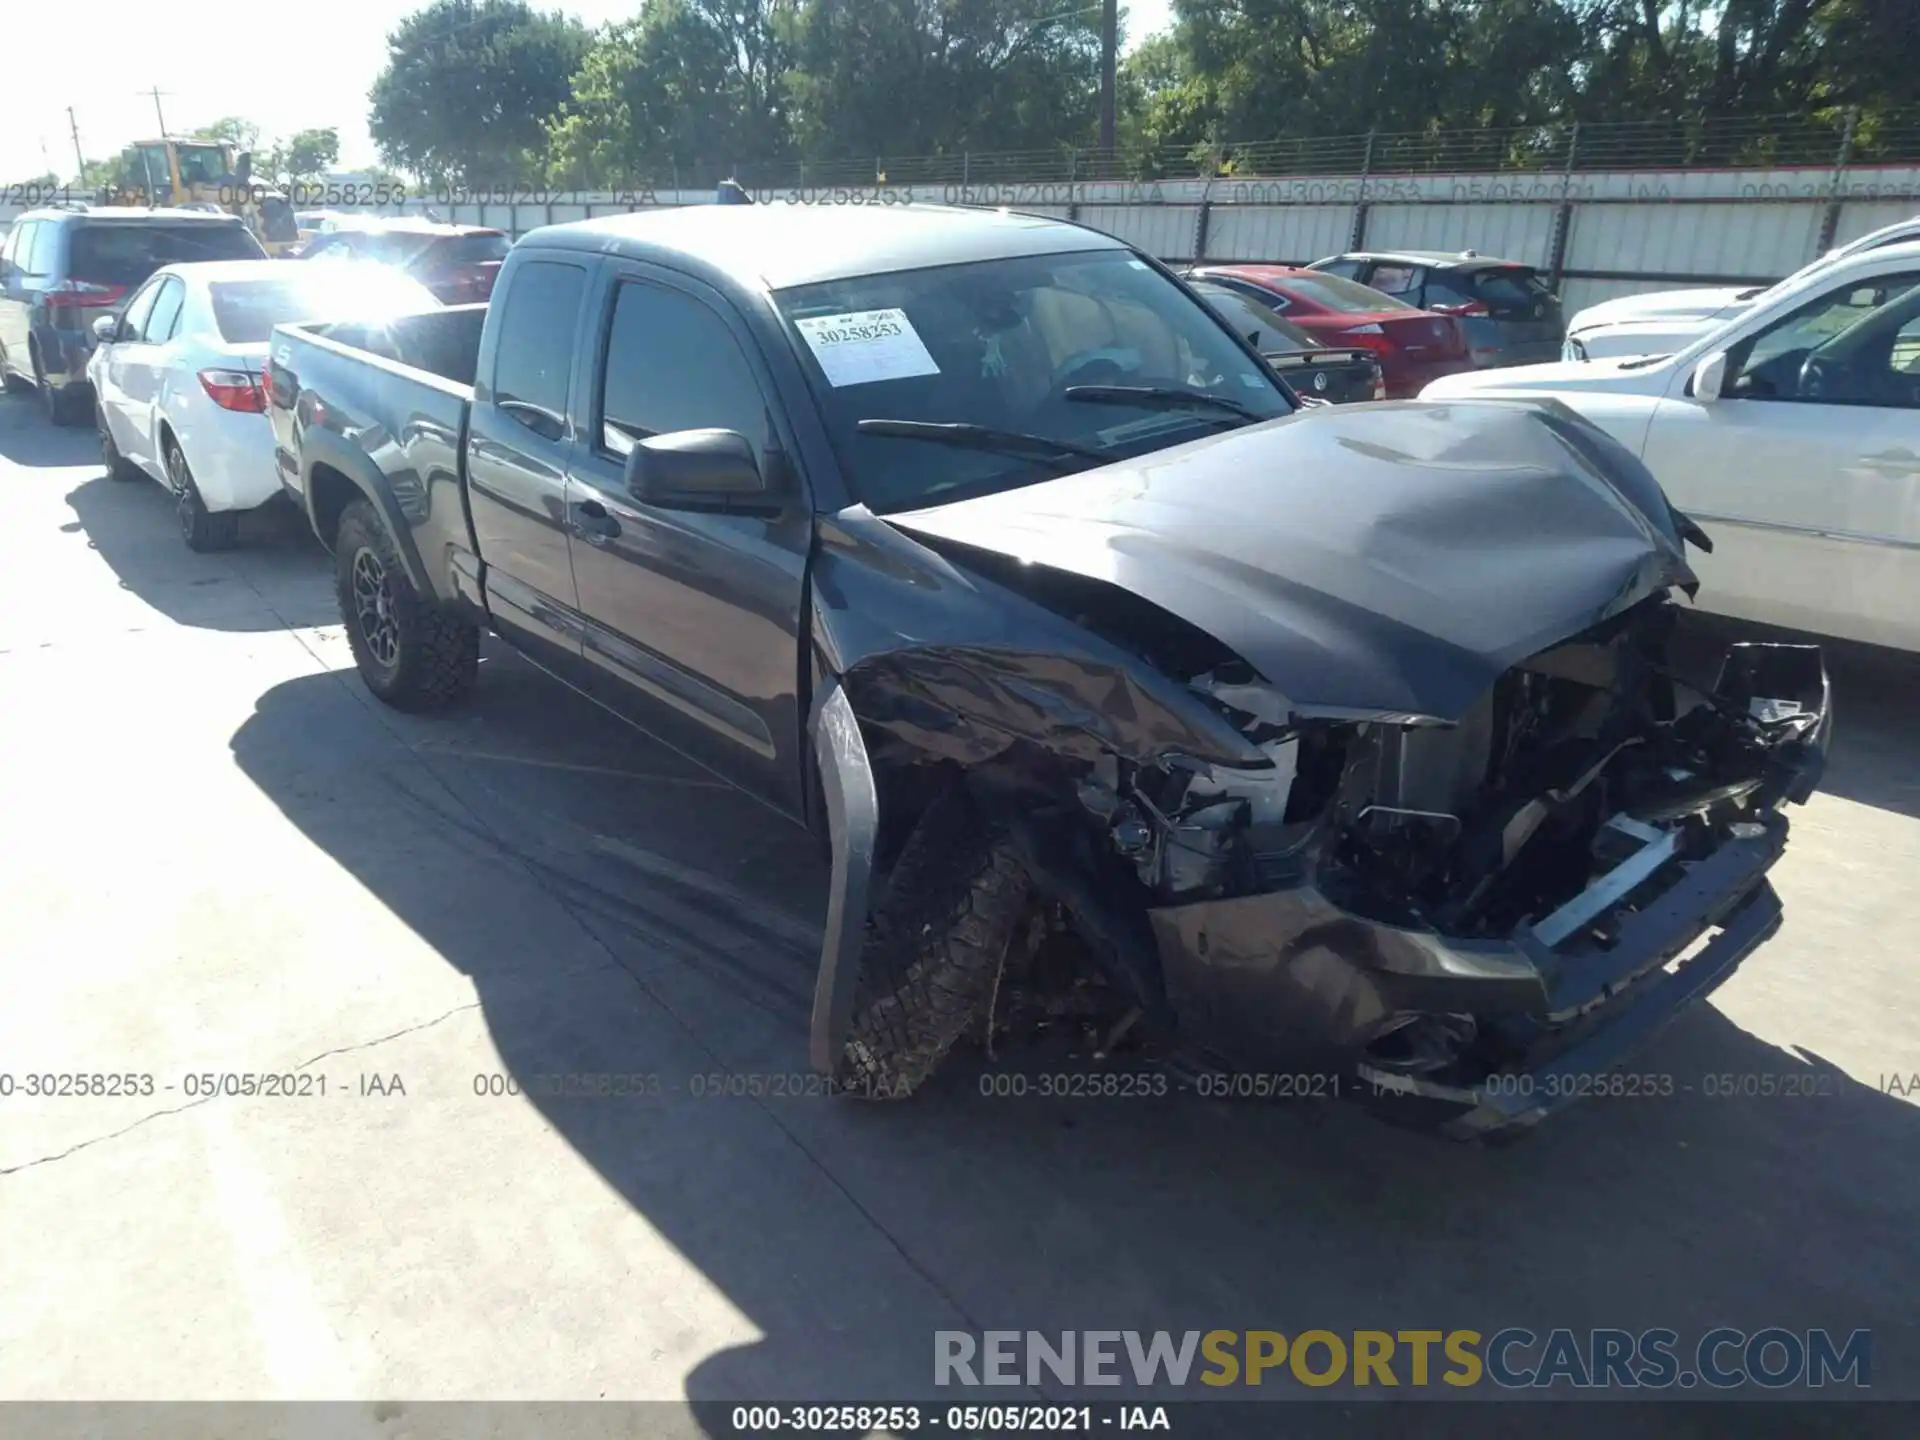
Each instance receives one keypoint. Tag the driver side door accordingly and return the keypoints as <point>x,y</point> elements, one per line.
<point>1807,475</point>
<point>111,368</point>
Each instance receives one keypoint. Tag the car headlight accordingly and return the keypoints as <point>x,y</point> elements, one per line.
<point>1572,349</point>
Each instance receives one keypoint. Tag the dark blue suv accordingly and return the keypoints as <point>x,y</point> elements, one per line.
<point>60,268</point>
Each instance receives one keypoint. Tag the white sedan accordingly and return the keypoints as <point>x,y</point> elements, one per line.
<point>1792,434</point>
<point>177,377</point>
<point>1661,321</point>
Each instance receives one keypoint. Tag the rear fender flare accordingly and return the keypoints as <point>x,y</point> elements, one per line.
<point>324,448</point>
<point>853,824</point>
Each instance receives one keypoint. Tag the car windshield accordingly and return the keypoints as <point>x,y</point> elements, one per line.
<point>127,254</point>
<point>1338,294</point>
<point>1091,351</point>
<point>247,310</point>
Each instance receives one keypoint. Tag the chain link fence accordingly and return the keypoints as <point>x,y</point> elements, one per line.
<point>1833,138</point>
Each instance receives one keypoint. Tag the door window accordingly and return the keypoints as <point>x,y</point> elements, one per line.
<point>10,251</point>
<point>1858,344</point>
<point>673,364</point>
<point>141,306</point>
<point>166,313</point>
<point>535,352</point>
<point>1345,269</point>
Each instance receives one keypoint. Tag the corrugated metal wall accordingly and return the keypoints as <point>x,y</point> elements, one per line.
<point>1602,233</point>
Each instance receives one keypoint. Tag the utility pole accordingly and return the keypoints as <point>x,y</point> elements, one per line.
<point>80,176</point>
<point>1109,45</point>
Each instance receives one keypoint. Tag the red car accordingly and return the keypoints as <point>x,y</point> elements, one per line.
<point>458,263</point>
<point>1413,346</point>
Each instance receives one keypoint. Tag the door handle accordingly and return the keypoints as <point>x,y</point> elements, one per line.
<point>593,522</point>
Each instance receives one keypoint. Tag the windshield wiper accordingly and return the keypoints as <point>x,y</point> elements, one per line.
<point>1157,397</point>
<point>983,437</point>
<point>1643,362</point>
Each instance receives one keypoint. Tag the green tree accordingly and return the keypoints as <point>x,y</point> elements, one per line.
<point>910,77</point>
<point>309,154</point>
<point>468,86</point>
<point>688,83</point>
<point>241,132</point>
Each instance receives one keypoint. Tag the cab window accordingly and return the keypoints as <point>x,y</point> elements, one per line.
<point>534,358</point>
<point>166,312</point>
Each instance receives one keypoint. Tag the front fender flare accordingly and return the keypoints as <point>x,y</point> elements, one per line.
<point>853,822</point>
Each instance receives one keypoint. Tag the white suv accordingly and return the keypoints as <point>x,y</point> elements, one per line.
<point>1791,433</point>
<point>1662,321</point>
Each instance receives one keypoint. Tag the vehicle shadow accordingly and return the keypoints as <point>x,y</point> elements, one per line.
<point>278,578</point>
<point>847,1234</point>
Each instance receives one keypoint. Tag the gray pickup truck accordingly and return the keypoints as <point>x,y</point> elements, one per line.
<point>1338,746</point>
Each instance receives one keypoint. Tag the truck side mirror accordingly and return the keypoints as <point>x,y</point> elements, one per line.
<point>1709,377</point>
<point>698,469</point>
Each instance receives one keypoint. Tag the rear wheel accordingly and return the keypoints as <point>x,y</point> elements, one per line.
<point>118,466</point>
<point>201,528</point>
<point>59,404</point>
<point>934,947</point>
<point>411,654</point>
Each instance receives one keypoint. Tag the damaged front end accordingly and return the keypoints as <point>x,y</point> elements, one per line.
<point>1348,746</point>
<point>1453,919</point>
<point>1472,921</point>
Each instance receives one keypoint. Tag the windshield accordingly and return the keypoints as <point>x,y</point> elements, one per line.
<point>245,311</point>
<point>1335,293</point>
<point>997,345</point>
<point>122,254</point>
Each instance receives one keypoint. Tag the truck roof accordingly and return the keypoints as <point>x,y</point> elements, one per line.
<point>777,246</point>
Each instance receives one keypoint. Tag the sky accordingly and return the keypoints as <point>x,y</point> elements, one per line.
<point>226,65</point>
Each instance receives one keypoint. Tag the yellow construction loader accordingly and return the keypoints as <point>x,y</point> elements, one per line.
<point>206,175</point>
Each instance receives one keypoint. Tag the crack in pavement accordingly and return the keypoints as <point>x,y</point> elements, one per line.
<point>194,1104</point>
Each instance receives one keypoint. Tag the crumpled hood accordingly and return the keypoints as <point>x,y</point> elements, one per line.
<point>1364,559</point>
<point>1660,305</point>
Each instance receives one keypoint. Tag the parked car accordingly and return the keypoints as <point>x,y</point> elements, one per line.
<point>176,378</point>
<point>1792,434</point>
<point>1509,312</point>
<point>1413,346</point>
<point>1333,740</point>
<point>62,269</point>
<point>1662,321</point>
<point>457,263</point>
<point>1315,371</point>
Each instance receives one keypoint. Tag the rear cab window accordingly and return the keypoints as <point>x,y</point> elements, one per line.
<point>458,250</point>
<point>245,311</point>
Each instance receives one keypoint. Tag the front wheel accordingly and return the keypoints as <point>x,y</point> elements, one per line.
<point>411,654</point>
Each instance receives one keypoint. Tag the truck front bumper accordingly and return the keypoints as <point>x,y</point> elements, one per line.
<point>1288,982</point>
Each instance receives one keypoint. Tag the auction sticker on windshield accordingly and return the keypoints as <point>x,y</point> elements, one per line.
<point>863,346</point>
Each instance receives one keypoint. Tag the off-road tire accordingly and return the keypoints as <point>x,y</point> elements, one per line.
<point>934,948</point>
<point>118,466</point>
<point>205,532</point>
<point>432,656</point>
